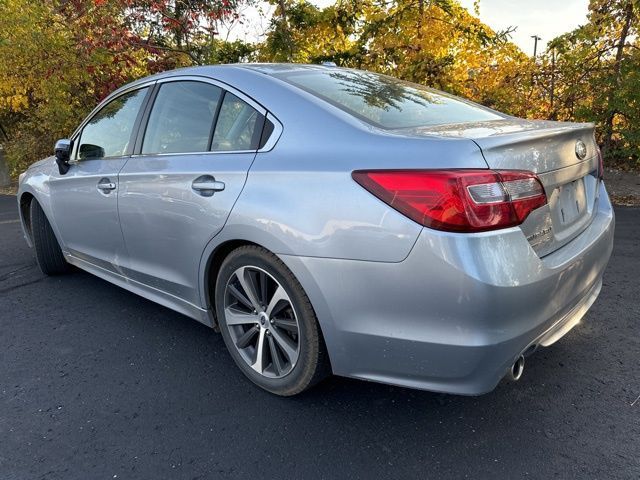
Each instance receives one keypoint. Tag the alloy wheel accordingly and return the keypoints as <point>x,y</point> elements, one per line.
<point>262,322</point>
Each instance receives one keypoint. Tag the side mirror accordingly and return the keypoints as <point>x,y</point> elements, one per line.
<point>62,152</point>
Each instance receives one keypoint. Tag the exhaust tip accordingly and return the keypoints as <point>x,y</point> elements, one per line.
<point>515,372</point>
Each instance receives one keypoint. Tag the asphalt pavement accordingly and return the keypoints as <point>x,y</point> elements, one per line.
<point>98,383</point>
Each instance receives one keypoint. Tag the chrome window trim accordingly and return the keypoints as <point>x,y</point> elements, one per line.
<point>207,152</point>
<point>271,142</point>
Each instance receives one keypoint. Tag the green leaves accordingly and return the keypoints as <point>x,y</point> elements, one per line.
<point>585,75</point>
<point>58,58</point>
<point>590,74</point>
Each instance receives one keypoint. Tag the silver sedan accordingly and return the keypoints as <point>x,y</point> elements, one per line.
<point>329,220</point>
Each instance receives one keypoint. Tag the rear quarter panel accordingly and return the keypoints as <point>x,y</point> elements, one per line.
<point>300,199</point>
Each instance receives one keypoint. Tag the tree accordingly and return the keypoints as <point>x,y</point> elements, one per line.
<point>623,18</point>
<point>187,28</point>
<point>591,74</point>
<point>59,58</point>
<point>301,32</point>
<point>437,43</point>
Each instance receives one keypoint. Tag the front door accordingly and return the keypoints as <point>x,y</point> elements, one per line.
<point>176,195</point>
<point>85,199</point>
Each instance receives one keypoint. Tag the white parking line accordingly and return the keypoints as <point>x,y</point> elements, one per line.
<point>9,221</point>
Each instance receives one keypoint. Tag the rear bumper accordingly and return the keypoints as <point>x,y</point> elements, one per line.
<point>456,313</point>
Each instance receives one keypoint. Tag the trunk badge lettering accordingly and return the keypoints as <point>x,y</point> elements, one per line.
<point>539,237</point>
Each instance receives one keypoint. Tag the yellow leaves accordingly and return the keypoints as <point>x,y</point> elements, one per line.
<point>444,47</point>
<point>14,103</point>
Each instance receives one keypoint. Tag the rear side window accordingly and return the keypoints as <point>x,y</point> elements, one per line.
<point>239,126</point>
<point>182,117</point>
<point>108,133</point>
<point>387,102</point>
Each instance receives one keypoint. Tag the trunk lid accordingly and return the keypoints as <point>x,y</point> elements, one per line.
<point>549,149</point>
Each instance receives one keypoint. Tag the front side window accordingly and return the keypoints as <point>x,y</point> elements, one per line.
<point>239,126</point>
<point>109,131</point>
<point>181,118</point>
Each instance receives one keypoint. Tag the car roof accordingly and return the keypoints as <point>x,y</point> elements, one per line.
<point>274,68</point>
<point>266,68</point>
<point>269,69</point>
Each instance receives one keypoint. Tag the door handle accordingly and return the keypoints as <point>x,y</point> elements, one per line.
<point>206,185</point>
<point>105,185</point>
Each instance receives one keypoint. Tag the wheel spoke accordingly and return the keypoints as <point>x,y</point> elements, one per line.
<point>263,287</point>
<point>286,344</point>
<point>275,356</point>
<point>290,325</point>
<point>249,288</point>
<point>239,296</point>
<point>258,361</point>
<point>246,338</point>
<point>235,317</point>
<point>279,296</point>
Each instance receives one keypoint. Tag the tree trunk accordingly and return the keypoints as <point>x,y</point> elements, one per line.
<point>286,31</point>
<point>5,180</point>
<point>617,69</point>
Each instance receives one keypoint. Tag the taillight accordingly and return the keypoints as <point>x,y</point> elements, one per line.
<point>457,200</point>
<point>600,165</point>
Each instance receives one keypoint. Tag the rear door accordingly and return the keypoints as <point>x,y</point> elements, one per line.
<point>193,153</point>
<point>85,199</point>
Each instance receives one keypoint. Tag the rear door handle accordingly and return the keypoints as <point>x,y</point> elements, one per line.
<point>206,185</point>
<point>105,185</point>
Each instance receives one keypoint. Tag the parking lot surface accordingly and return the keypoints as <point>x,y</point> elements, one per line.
<point>98,383</point>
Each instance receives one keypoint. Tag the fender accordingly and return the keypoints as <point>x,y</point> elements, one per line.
<point>243,233</point>
<point>233,233</point>
<point>36,183</point>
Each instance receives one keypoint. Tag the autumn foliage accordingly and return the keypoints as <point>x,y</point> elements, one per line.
<point>58,58</point>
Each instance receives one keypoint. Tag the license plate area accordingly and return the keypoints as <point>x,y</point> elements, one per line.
<point>571,194</point>
<point>572,202</point>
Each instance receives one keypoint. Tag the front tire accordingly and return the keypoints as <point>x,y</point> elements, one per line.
<point>268,324</point>
<point>48,253</point>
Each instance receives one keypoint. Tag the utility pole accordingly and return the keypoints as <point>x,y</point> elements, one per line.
<point>535,44</point>
<point>553,83</point>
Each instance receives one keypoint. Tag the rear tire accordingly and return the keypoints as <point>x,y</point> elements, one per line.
<point>50,258</point>
<point>283,325</point>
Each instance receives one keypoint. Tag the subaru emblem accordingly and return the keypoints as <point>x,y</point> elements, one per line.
<point>581,150</point>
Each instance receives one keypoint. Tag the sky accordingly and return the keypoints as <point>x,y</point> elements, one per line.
<point>544,18</point>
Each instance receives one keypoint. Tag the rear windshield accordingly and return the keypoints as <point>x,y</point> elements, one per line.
<point>384,101</point>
